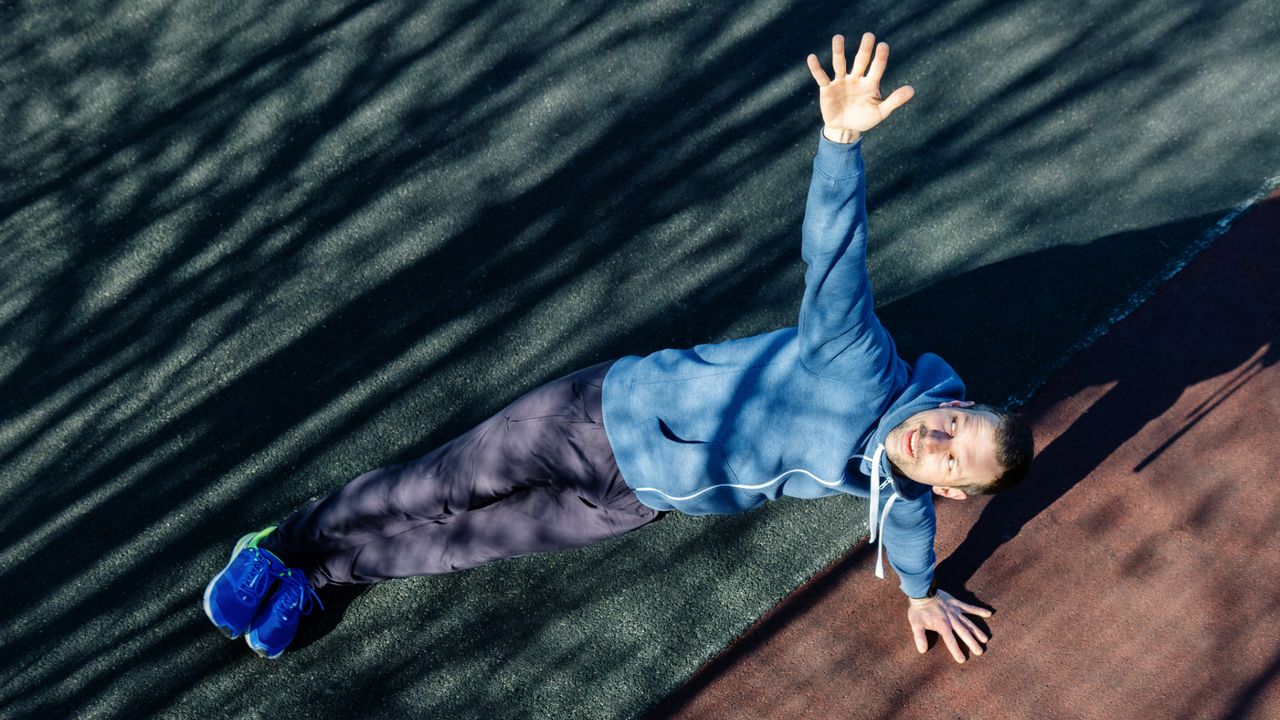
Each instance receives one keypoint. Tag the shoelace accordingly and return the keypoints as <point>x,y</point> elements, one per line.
<point>254,583</point>
<point>299,594</point>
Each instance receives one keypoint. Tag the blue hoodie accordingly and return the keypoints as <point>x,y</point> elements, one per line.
<point>802,411</point>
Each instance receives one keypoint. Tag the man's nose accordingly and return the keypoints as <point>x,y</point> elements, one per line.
<point>936,441</point>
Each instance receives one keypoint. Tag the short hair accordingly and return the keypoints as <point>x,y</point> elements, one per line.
<point>1015,448</point>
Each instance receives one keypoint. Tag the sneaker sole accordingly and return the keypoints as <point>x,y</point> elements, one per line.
<point>259,651</point>
<point>208,589</point>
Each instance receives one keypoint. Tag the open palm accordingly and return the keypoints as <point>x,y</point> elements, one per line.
<point>851,100</point>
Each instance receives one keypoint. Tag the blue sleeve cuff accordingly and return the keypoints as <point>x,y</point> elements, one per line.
<point>837,160</point>
<point>916,586</point>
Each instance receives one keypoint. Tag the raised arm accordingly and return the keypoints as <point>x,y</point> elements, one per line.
<point>839,333</point>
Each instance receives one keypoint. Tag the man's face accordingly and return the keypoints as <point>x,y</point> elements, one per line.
<point>947,447</point>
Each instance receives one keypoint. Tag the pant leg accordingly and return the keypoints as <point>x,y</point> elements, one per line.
<point>388,501</point>
<point>532,520</point>
<point>545,458</point>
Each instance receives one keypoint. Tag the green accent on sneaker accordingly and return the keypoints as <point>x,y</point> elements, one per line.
<point>262,535</point>
<point>252,540</point>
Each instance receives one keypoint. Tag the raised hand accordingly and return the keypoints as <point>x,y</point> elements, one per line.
<point>851,100</point>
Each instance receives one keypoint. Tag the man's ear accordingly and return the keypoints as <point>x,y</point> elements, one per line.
<point>956,403</point>
<point>950,492</point>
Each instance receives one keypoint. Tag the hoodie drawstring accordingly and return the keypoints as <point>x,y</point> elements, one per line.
<point>873,510</point>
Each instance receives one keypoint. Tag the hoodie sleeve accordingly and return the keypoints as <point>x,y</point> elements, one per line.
<point>907,535</point>
<point>839,333</point>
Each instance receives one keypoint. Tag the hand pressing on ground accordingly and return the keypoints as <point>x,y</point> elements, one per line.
<point>945,615</point>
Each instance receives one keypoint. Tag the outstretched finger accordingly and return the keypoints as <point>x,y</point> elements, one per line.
<point>819,74</point>
<point>864,55</point>
<point>949,638</point>
<point>971,609</point>
<point>973,628</point>
<point>837,56</point>
<point>878,64</point>
<point>974,646</point>
<point>922,642</point>
<point>896,99</point>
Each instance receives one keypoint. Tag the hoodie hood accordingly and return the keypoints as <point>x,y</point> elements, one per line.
<point>932,382</point>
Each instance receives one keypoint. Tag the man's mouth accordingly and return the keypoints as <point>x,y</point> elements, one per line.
<point>911,451</point>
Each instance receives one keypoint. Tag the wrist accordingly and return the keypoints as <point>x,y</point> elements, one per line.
<point>841,135</point>
<point>929,596</point>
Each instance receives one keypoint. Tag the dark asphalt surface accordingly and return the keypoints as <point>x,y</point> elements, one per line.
<point>253,249</point>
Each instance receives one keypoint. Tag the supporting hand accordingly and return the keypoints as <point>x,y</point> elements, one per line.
<point>945,615</point>
<point>851,101</point>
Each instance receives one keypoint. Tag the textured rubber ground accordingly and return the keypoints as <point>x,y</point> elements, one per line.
<point>1134,576</point>
<point>251,250</point>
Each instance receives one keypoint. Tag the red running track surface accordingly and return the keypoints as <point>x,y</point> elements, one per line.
<point>1136,574</point>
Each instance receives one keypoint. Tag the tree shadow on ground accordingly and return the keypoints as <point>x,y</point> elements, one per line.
<point>268,246</point>
<point>1210,342</point>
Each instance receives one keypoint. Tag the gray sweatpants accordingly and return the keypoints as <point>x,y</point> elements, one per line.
<point>537,477</point>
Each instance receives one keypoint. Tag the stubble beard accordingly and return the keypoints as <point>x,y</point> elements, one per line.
<point>898,459</point>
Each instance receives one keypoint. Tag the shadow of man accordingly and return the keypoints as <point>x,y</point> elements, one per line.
<point>1216,322</point>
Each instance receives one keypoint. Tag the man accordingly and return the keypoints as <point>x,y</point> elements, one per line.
<point>806,411</point>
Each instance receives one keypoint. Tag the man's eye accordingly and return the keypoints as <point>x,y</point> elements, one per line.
<point>951,463</point>
<point>953,426</point>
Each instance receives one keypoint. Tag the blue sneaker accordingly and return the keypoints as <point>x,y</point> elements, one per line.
<point>233,595</point>
<point>276,623</point>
